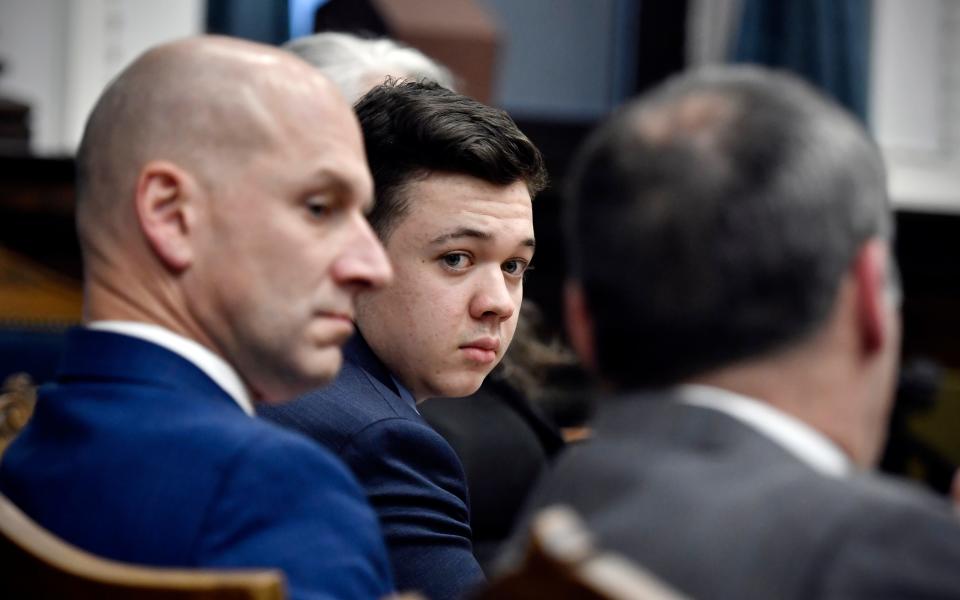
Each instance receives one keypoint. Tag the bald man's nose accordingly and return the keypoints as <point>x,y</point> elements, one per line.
<point>363,263</point>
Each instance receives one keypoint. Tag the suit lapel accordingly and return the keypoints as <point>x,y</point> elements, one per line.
<point>358,352</point>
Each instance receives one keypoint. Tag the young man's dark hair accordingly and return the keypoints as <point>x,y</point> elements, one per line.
<point>714,221</point>
<point>411,129</point>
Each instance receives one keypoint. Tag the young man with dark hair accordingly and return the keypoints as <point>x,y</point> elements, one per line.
<point>454,181</point>
<point>733,283</point>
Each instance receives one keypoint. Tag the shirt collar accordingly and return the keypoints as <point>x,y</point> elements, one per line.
<point>212,365</point>
<point>797,437</point>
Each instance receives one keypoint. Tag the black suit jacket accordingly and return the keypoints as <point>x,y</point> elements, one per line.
<point>718,510</point>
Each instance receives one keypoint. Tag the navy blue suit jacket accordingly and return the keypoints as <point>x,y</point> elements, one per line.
<point>135,454</point>
<point>411,475</point>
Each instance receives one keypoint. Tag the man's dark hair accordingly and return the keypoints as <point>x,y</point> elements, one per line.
<point>415,128</point>
<point>713,219</point>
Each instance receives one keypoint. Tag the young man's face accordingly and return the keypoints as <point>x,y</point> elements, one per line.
<point>459,254</point>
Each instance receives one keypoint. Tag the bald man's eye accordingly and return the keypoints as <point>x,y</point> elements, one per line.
<point>319,206</point>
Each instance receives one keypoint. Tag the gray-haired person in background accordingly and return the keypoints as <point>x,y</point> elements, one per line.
<point>355,64</point>
<point>733,282</point>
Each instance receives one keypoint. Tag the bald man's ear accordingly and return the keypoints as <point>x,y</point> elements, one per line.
<point>166,204</point>
<point>579,323</point>
<point>877,292</point>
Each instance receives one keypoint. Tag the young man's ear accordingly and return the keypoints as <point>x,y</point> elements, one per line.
<point>878,291</point>
<point>166,211</point>
<point>579,324</point>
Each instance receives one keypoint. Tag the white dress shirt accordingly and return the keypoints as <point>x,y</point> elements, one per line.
<point>215,367</point>
<point>795,436</point>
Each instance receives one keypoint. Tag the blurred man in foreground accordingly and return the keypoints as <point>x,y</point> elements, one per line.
<point>733,283</point>
<point>221,192</point>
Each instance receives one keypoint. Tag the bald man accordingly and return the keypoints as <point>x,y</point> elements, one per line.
<point>221,197</point>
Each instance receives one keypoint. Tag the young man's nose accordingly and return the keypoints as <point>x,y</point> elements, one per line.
<point>492,297</point>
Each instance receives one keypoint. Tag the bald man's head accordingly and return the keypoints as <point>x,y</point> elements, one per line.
<point>200,103</point>
<point>221,195</point>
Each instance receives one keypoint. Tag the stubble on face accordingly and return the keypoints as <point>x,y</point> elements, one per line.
<point>282,311</point>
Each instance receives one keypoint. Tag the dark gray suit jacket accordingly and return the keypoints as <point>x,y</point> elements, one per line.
<point>718,510</point>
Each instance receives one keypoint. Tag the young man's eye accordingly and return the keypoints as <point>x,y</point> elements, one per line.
<point>455,260</point>
<point>516,267</point>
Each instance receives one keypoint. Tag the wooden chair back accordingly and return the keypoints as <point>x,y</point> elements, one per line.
<point>36,564</point>
<point>562,563</point>
<point>18,396</point>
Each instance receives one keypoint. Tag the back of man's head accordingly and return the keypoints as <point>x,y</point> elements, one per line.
<point>193,103</point>
<point>712,221</point>
<point>411,129</point>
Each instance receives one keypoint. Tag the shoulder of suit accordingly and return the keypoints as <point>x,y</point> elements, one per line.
<point>333,415</point>
<point>358,397</point>
<point>273,455</point>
